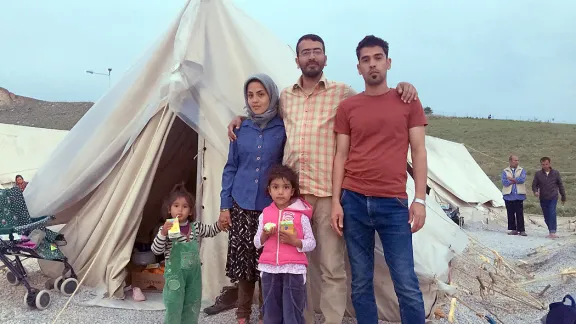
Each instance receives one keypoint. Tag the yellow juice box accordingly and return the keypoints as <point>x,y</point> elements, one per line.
<point>287,226</point>
<point>174,231</point>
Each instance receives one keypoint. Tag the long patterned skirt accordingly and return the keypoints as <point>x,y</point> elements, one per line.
<point>242,259</point>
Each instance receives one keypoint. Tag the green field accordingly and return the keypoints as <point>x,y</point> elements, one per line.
<point>529,140</point>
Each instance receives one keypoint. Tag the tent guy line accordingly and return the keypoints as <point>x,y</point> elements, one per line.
<point>478,151</point>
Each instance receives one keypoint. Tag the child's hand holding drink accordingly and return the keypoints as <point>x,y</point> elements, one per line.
<point>289,237</point>
<point>171,227</point>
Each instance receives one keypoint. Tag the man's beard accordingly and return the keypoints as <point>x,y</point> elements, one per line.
<point>315,72</point>
<point>374,82</point>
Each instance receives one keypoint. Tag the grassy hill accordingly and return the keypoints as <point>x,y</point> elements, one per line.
<point>529,140</point>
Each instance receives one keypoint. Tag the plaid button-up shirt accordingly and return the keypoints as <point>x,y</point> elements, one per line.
<point>311,142</point>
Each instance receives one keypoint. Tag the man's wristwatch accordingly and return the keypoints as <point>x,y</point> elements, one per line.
<point>420,201</point>
<point>223,210</point>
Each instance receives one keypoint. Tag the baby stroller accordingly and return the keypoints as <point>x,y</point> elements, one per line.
<point>24,237</point>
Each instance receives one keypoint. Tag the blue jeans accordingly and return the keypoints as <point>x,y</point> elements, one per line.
<point>284,297</point>
<point>363,216</point>
<point>549,211</point>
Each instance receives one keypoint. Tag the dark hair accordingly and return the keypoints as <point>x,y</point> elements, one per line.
<point>312,37</point>
<point>545,158</point>
<point>372,41</point>
<point>18,176</point>
<point>284,172</point>
<point>179,191</point>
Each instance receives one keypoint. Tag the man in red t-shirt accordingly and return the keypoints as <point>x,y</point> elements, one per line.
<point>374,130</point>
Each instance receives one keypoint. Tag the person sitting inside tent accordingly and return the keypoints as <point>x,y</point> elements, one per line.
<point>183,276</point>
<point>21,183</point>
<point>260,146</point>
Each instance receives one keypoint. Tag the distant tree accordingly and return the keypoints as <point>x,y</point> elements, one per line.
<point>428,111</point>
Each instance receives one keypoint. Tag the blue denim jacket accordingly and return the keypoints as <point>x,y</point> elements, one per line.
<point>250,157</point>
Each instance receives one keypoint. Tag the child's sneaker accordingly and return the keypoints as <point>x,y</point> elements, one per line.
<point>137,294</point>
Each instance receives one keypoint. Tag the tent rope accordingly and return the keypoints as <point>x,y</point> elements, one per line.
<point>496,159</point>
<point>112,226</point>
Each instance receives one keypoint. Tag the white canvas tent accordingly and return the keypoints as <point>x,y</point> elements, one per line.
<point>24,149</point>
<point>164,122</point>
<point>455,178</point>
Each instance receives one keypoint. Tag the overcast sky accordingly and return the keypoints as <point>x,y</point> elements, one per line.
<point>513,58</point>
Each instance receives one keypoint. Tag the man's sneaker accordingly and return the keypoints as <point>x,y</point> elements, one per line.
<point>227,299</point>
<point>523,234</point>
<point>513,233</point>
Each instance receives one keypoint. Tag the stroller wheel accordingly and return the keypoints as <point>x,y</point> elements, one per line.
<point>12,279</point>
<point>42,299</point>
<point>49,284</point>
<point>69,286</point>
<point>58,283</point>
<point>30,298</point>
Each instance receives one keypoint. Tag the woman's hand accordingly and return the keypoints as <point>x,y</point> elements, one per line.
<point>224,220</point>
<point>291,239</point>
<point>166,227</point>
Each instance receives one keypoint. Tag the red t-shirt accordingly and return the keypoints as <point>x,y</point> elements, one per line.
<point>378,128</point>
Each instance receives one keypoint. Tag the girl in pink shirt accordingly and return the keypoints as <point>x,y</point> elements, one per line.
<point>285,234</point>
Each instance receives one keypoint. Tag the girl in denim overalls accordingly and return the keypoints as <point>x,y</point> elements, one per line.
<point>183,275</point>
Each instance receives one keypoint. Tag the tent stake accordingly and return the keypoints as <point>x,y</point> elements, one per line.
<point>544,291</point>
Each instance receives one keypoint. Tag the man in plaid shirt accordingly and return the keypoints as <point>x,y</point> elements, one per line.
<point>308,108</point>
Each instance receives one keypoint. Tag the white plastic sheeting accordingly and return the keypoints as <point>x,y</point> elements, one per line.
<point>24,149</point>
<point>456,177</point>
<point>202,60</point>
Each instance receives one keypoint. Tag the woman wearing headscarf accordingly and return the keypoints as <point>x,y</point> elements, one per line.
<point>21,183</point>
<point>260,146</point>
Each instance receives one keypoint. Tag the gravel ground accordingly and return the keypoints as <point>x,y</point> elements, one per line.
<point>533,254</point>
<point>547,257</point>
<point>14,311</point>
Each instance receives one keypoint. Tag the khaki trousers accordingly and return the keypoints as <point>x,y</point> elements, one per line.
<point>246,299</point>
<point>329,258</point>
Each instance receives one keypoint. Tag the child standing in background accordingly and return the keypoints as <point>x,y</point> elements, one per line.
<point>182,292</point>
<point>285,233</point>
